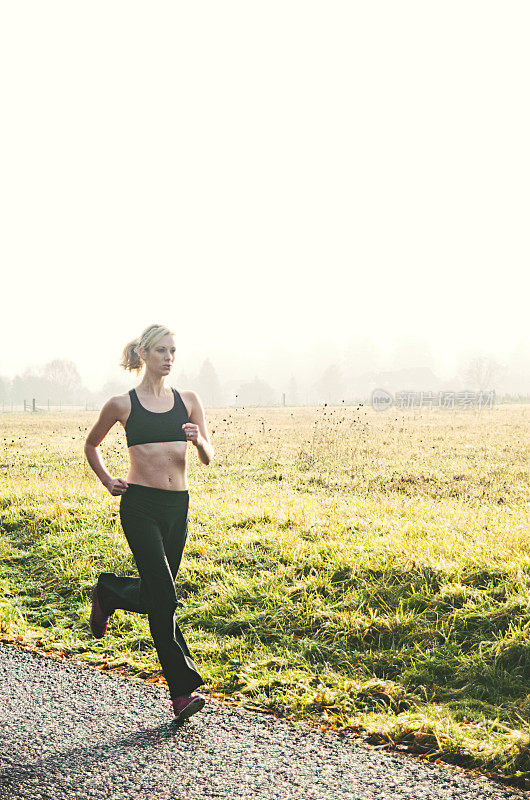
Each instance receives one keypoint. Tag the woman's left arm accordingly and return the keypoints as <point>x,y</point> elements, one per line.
<point>196,429</point>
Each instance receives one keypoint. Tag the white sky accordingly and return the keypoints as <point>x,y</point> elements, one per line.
<point>262,177</point>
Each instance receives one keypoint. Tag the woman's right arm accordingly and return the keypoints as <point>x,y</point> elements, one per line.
<point>110,414</point>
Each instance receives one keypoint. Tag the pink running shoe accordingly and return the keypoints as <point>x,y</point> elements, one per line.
<point>98,621</point>
<point>186,705</point>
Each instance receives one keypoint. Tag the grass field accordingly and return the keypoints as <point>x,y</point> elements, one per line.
<point>343,567</point>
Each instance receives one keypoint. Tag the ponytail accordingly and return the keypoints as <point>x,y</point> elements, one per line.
<point>131,358</point>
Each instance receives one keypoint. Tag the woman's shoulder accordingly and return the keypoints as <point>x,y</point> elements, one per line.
<point>116,408</point>
<point>190,399</point>
<point>119,403</point>
<point>189,394</point>
<point>123,406</point>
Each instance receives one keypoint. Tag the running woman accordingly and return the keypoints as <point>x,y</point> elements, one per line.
<point>159,422</point>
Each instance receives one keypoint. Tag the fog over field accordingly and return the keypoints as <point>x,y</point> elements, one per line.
<point>321,198</point>
<point>325,373</point>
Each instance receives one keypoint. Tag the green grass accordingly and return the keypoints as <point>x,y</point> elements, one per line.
<point>343,567</point>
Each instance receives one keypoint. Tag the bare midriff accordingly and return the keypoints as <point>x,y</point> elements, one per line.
<point>161,465</point>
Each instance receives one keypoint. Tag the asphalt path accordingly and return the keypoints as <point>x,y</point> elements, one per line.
<point>70,731</point>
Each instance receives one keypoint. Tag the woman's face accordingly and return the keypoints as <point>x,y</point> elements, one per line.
<point>159,359</point>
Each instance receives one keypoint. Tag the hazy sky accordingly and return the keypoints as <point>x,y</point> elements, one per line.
<point>263,177</point>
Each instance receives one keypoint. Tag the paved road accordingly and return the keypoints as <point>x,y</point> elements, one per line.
<point>69,731</point>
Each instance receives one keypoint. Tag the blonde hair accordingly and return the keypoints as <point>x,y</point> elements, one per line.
<point>131,358</point>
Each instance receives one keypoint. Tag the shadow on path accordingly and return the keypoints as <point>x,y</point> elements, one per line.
<point>87,759</point>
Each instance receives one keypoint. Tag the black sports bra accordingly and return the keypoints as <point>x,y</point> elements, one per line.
<point>145,426</point>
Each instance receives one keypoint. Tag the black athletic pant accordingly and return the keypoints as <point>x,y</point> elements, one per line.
<point>155,523</point>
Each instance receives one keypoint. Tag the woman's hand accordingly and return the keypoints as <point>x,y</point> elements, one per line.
<point>192,432</point>
<point>116,486</point>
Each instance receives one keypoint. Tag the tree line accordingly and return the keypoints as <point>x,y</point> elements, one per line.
<point>58,382</point>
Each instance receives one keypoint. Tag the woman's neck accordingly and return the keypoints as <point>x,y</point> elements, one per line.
<point>153,385</point>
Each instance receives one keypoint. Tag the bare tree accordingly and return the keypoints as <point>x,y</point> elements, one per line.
<point>58,381</point>
<point>63,376</point>
<point>481,371</point>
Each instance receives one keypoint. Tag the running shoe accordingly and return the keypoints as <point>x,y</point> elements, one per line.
<point>186,705</point>
<point>99,622</point>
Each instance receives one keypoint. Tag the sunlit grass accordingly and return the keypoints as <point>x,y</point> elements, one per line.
<point>342,566</point>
